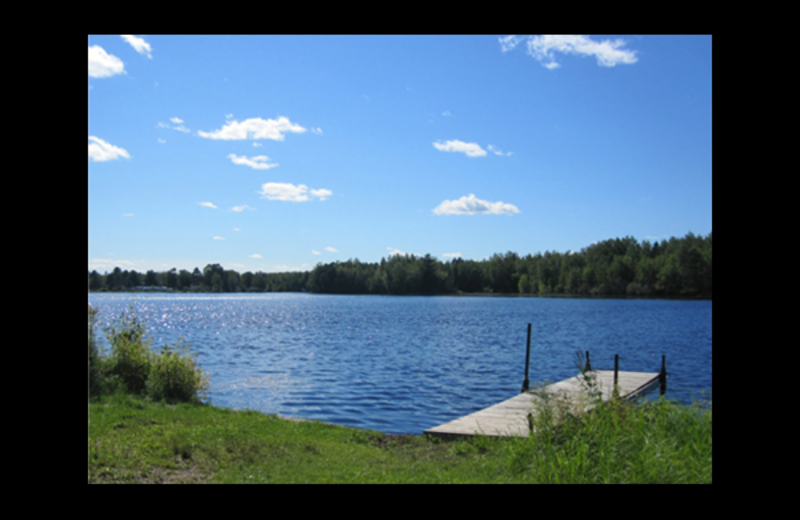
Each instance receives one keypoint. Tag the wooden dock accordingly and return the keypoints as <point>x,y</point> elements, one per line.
<point>510,418</point>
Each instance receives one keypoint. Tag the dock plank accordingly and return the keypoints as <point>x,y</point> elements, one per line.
<point>509,417</point>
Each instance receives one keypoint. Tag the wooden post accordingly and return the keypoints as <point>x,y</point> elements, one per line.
<point>588,363</point>
<point>662,376</point>
<point>616,369</point>
<point>525,382</point>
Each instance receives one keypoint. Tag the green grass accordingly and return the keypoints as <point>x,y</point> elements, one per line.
<point>133,440</point>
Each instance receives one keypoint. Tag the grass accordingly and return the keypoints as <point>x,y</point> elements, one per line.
<point>134,440</point>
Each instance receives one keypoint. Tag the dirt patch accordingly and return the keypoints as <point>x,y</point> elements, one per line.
<point>183,473</point>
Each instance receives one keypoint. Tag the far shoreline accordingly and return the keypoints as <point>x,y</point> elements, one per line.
<point>458,295</point>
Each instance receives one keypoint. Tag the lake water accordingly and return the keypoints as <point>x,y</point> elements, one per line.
<point>402,364</point>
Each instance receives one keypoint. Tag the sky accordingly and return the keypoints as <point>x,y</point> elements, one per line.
<point>275,153</point>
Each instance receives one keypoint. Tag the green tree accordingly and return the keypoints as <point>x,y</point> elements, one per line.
<point>246,280</point>
<point>524,284</point>
<point>114,280</point>
<point>150,278</point>
<point>171,279</point>
<point>669,276</point>
<point>216,282</point>
<point>208,277</point>
<point>184,280</point>
<point>197,278</point>
<point>95,281</point>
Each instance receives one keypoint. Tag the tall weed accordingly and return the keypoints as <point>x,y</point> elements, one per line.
<point>175,376</point>
<point>616,442</point>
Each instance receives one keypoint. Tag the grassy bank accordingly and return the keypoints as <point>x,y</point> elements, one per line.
<point>133,440</point>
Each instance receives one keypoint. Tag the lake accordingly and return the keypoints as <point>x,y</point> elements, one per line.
<point>402,364</point>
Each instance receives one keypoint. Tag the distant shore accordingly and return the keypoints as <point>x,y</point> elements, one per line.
<point>474,294</point>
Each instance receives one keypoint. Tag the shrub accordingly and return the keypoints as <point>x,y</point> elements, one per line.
<point>131,357</point>
<point>175,376</point>
<point>96,379</point>
<point>132,367</point>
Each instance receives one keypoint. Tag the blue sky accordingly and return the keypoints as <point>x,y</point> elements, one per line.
<point>274,153</point>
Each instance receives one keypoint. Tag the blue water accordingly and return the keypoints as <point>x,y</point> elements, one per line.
<point>402,364</point>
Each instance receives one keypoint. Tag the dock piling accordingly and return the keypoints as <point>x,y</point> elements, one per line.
<point>525,382</point>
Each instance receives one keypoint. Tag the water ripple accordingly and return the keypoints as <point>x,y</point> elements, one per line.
<point>404,364</point>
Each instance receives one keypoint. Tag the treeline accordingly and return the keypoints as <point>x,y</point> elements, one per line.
<point>615,267</point>
<point>213,278</point>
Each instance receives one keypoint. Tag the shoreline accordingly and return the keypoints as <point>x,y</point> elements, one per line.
<point>457,295</point>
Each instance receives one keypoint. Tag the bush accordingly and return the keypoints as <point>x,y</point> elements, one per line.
<point>132,367</point>
<point>96,376</point>
<point>175,376</point>
<point>131,357</point>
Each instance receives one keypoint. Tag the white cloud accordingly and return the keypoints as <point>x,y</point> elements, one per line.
<point>285,268</point>
<point>315,252</point>
<point>471,205</point>
<point>542,47</point>
<point>256,256</point>
<point>497,152</point>
<point>446,113</point>
<point>452,255</point>
<point>127,214</point>
<point>239,209</point>
<point>208,205</point>
<point>236,229</point>
<point>218,238</point>
<point>322,194</point>
<point>176,120</point>
<point>256,144</point>
<point>102,64</point>
<point>141,46</point>
<point>331,249</point>
<point>471,149</point>
<point>100,150</point>
<point>109,264</point>
<point>257,163</point>
<point>162,141</point>
<point>317,131</point>
<point>255,128</point>
<point>290,192</point>
<point>284,191</point>
<point>393,252</point>
<point>509,42</point>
